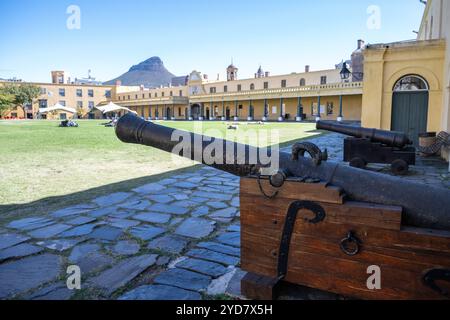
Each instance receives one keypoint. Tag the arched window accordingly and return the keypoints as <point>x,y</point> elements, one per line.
<point>411,83</point>
<point>302,82</point>
<point>252,86</point>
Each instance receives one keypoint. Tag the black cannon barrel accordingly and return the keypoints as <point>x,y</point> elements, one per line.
<point>390,138</point>
<point>423,206</point>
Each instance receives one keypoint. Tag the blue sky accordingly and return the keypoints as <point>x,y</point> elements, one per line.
<point>282,35</point>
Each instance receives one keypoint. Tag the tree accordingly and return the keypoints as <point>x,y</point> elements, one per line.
<point>6,103</point>
<point>24,94</point>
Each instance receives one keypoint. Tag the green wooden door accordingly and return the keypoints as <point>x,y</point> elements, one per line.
<point>410,113</point>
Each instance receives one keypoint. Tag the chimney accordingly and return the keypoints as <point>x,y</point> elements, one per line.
<point>361,44</point>
<point>118,83</point>
<point>267,74</point>
<point>141,87</point>
<point>307,67</point>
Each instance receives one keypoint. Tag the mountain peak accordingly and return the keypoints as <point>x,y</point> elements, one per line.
<point>154,63</point>
<point>150,73</point>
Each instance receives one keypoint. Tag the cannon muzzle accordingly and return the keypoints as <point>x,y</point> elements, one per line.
<point>423,206</point>
<point>389,138</point>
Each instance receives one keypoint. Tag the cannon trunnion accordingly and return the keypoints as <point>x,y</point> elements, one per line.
<point>374,146</point>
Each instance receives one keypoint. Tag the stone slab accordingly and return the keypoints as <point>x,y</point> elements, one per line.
<point>106,233</point>
<point>160,292</point>
<point>78,221</point>
<point>138,205</point>
<point>78,231</point>
<point>112,199</point>
<point>196,228</point>
<point>123,272</point>
<point>230,238</point>
<point>171,244</point>
<point>25,274</point>
<point>161,198</point>
<point>122,223</point>
<point>19,251</point>
<point>204,267</point>
<point>149,188</point>
<point>103,212</point>
<point>11,239</point>
<point>213,195</point>
<point>30,223</point>
<point>213,256</point>
<point>221,248</point>
<point>224,213</point>
<point>81,251</point>
<point>50,231</point>
<point>146,232</point>
<point>126,248</point>
<point>170,209</point>
<point>153,217</point>
<point>59,244</point>
<point>73,210</point>
<point>53,292</point>
<point>183,279</point>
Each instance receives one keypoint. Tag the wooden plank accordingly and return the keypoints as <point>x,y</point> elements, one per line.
<point>355,213</point>
<point>294,190</point>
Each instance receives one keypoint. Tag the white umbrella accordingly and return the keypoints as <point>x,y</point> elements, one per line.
<point>112,107</point>
<point>57,107</point>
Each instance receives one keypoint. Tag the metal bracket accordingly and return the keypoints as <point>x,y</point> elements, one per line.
<point>437,274</point>
<point>289,225</point>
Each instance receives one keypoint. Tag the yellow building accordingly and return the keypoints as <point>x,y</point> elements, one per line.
<point>292,97</point>
<point>406,84</point>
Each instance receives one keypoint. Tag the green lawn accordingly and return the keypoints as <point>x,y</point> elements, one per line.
<point>42,163</point>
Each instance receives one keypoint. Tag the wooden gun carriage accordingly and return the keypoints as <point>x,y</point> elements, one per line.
<point>374,146</point>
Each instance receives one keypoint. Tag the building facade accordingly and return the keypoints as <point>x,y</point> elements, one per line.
<point>293,97</point>
<point>406,84</point>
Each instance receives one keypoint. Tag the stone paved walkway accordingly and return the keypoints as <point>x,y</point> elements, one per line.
<point>177,238</point>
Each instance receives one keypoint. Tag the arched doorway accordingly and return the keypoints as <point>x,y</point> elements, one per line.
<point>208,114</point>
<point>410,106</point>
<point>168,113</point>
<point>227,113</point>
<point>195,111</point>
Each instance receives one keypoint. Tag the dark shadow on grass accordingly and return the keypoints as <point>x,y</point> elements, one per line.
<point>50,204</point>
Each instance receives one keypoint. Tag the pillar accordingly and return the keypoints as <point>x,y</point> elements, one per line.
<point>150,112</point>
<point>250,116</point>
<point>318,109</point>
<point>299,110</point>
<point>190,113</point>
<point>340,117</point>
<point>266,112</point>
<point>281,118</point>
<point>223,111</point>
<point>211,111</point>
<point>201,117</point>
<point>236,117</point>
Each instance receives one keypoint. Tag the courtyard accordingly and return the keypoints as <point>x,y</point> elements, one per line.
<point>174,234</point>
